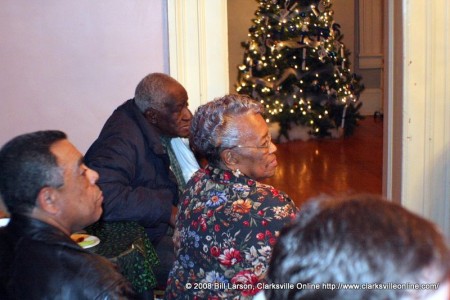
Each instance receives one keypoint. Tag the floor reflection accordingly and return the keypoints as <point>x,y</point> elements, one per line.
<point>332,166</point>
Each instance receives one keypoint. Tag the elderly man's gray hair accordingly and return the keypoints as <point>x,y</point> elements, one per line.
<point>151,92</point>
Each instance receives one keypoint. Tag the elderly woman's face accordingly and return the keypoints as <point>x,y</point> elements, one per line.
<point>255,153</point>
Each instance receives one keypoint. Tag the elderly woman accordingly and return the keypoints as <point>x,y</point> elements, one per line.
<point>227,220</point>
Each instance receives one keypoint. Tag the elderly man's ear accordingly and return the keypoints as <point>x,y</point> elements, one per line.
<point>47,200</point>
<point>152,115</point>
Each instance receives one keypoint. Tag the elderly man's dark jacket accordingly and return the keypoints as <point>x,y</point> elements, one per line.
<point>134,171</point>
<point>38,261</point>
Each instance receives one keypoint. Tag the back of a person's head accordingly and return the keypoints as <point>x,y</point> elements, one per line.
<point>26,166</point>
<point>152,90</point>
<point>363,240</point>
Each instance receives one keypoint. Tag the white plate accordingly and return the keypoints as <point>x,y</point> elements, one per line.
<point>4,222</point>
<point>87,241</point>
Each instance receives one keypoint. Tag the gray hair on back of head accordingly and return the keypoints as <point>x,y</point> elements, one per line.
<point>151,91</point>
<point>212,129</point>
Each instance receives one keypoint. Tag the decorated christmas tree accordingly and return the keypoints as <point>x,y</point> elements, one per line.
<point>296,65</point>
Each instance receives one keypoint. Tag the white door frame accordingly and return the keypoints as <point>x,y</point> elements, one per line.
<point>198,48</point>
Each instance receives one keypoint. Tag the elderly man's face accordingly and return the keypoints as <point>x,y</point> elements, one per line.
<point>80,199</point>
<point>175,120</point>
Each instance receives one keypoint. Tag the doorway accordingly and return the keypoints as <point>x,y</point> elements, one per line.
<point>330,166</point>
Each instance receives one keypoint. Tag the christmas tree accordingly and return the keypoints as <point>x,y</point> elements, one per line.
<point>296,65</point>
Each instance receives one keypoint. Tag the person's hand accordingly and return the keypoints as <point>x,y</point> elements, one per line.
<point>176,240</point>
<point>3,214</point>
<point>173,217</point>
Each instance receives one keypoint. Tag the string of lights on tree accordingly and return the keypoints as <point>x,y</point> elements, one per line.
<point>297,66</point>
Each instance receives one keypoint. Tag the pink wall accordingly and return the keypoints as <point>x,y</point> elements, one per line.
<point>67,64</point>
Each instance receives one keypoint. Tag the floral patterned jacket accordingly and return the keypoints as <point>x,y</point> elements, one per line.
<point>227,227</point>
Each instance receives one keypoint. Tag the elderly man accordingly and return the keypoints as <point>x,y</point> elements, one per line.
<point>131,156</point>
<point>50,194</point>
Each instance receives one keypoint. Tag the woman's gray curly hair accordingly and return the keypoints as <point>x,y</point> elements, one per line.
<point>213,129</point>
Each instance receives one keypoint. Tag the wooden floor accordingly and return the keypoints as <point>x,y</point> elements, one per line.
<point>332,166</point>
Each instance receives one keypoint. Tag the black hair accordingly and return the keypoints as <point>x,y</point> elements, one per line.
<point>26,166</point>
<point>362,239</point>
